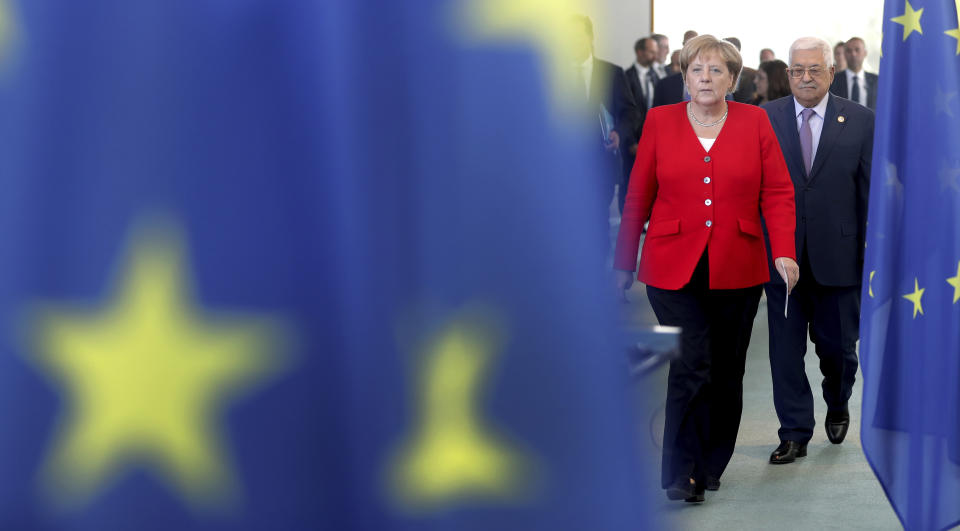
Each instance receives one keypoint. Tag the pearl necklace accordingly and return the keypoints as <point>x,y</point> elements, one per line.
<point>701,124</point>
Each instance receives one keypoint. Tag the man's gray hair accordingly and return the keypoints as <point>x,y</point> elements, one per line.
<point>813,43</point>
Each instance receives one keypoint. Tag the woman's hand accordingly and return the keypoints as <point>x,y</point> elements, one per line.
<point>622,282</point>
<point>789,271</point>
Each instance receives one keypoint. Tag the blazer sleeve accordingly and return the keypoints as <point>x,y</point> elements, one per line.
<point>627,113</point>
<point>641,192</point>
<point>777,203</point>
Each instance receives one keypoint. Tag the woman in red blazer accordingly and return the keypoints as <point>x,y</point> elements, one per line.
<point>705,172</point>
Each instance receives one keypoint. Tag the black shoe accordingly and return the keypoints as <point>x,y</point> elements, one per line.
<point>788,452</point>
<point>681,489</point>
<point>837,424</point>
<point>697,497</point>
<point>712,483</point>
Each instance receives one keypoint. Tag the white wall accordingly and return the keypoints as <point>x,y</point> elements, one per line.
<point>758,24</point>
<point>617,24</point>
<point>774,25</point>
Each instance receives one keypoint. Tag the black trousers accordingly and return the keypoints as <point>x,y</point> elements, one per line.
<point>832,315</point>
<point>705,385</point>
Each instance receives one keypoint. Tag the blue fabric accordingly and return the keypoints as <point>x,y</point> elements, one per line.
<point>911,360</point>
<point>360,174</point>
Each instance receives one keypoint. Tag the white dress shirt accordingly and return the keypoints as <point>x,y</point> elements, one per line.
<point>816,122</point>
<point>862,79</point>
<point>643,77</point>
<point>661,69</point>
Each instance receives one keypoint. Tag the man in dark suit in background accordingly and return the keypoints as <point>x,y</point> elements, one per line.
<point>855,83</point>
<point>663,53</point>
<point>642,77</point>
<point>745,89</point>
<point>827,142</point>
<point>607,96</point>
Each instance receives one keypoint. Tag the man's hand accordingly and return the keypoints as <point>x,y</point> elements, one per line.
<point>613,141</point>
<point>789,271</point>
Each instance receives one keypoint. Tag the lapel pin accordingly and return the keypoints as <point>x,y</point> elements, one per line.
<point>841,119</point>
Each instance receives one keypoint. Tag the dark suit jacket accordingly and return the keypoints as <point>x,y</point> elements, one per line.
<point>609,87</point>
<point>669,90</point>
<point>839,87</point>
<point>637,90</point>
<point>832,202</point>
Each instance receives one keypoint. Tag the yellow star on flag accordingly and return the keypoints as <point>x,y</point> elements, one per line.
<point>955,33</point>
<point>915,298</point>
<point>955,282</point>
<point>870,284</point>
<point>544,23</point>
<point>145,378</point>
<point>451,454</point>
<point>910,20</point>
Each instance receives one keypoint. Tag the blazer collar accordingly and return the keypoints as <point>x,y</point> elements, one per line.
<point>833,123</point>
<point>788,119</point>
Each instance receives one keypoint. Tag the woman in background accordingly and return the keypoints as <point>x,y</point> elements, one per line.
<point>771,82</point>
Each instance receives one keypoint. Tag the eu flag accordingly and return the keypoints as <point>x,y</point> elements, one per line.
<point>910,323</point>
<point>303,265</point>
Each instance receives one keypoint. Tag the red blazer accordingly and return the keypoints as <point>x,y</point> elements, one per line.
<point>695,200</point>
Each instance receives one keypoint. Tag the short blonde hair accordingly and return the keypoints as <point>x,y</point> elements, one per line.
<point>705,44</point>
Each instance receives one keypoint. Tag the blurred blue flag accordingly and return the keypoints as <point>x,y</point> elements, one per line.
<point>302,265</point>
<point>910,323</point>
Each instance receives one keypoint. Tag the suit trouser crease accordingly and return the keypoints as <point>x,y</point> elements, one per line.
<point>830,315</point>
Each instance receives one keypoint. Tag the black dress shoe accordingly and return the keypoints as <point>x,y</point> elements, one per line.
<point>788,452</point>
<point>836,425</point>
<point>697,497</point>
<point>681,489</point>
<point>712,483</point>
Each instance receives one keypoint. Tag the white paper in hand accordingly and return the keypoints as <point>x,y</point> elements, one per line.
<point>786,287</point>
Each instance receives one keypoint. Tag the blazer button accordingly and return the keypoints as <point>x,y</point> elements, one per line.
<point>708,202</point>
<point>706,180</point>
<point>707,158</point>
<point>709,223</point>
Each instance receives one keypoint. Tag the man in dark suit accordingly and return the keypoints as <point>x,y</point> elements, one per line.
<point>855,83</point>
<point>745,89</point>
<point>607,96</point>
<point>641,77</point>
<point>663,53</point>
<point>827,142</point>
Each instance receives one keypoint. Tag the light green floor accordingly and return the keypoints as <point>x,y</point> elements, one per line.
<point>832,488</point>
